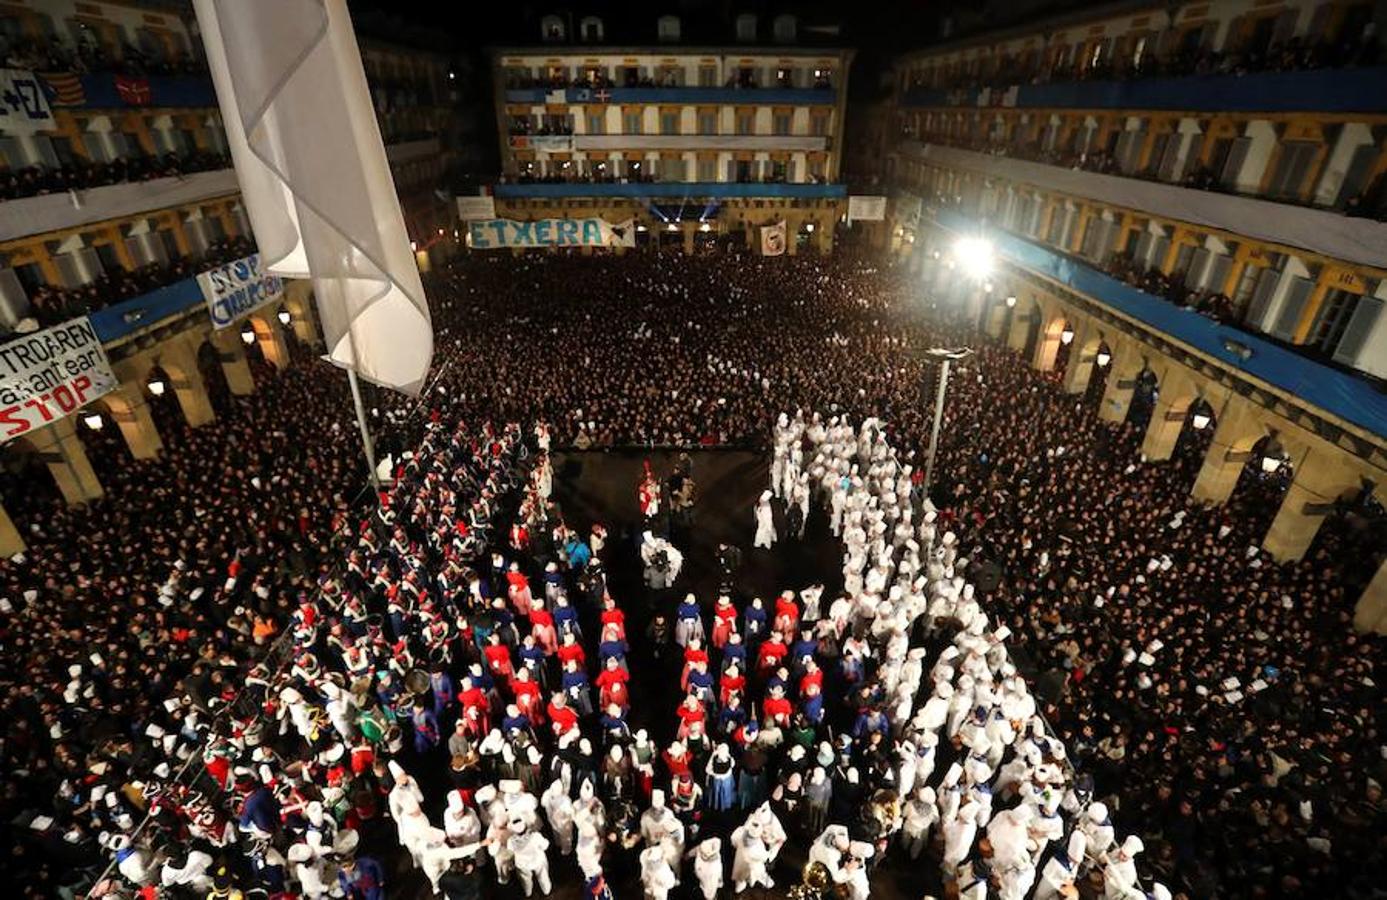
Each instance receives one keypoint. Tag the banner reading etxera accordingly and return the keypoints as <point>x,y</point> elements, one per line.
<point>237,288</point>
<point>50,374</point>
<point>496,234</point>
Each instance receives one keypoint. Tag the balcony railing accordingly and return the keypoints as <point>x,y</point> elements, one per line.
<point>1320,90</point>
<point>1344,395</point>
<point>1355,240</point>
<point>744,96</point>
<point>720,189</point>
<point>73,209</point>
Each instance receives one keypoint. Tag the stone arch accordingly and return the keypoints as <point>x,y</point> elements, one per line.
<point>1052,339</point>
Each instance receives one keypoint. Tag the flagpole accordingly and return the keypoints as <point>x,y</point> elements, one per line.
<point>366,443</point>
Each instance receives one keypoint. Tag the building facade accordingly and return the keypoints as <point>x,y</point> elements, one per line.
<point>688,141</point>
<point>116,192</point>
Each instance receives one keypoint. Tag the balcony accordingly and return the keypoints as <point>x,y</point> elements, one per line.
<point>762,142</point>
<point>1349,397</point>
<point>106,90</point>
<point>74,209</point>
<point>128,317</point>
<point>679,95</point>
<point>408,151</point>
<point>1318,90</point>
<point>1333,234</point>
<point>718,189</point>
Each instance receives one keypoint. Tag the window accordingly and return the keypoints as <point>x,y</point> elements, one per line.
<point>708,121</point>
<point>783,29</point>
<point>597,123</point>
<point>669,122</point>
<point>673,170</point>
<point>746,27</point>
<point>667,28</point>
<point>1138,51</point>
<point>1292,169</point>
<point>818,124</point>
<point>591,29</point>
<point>784,78</point>
<point>746,122</point>
<point>633,169</point>
<point>551,28</point>
<point>816,168</point>
<point>631,123</point>
<point>780,123</point>
<point>707,76</point>
<point>707,170</point>
<point>823,78</point>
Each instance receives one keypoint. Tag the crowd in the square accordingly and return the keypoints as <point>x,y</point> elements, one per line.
<point>457,672</point>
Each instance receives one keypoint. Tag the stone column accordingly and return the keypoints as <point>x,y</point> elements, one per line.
<point>689,229</point>
<point>131,413</point>
<point>1371,612</point>
<point>1320,479</point>
<point>59,446</point>
<point>10,540</point>
<point>1238,429</point>
<point>192,398</point>
<point>1080,367</point>
<point>270,337</point>
<point>232,355</point>
<point>1126,364</point>
<point>823,236</point>
<point>1020,330</point>
<point>1173,401</point>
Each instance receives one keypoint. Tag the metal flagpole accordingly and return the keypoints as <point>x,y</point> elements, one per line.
<point>938,421</point>
<point>945,357</point>
<point>366,443</point>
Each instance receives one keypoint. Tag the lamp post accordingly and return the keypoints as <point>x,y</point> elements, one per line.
<point>945,357</point>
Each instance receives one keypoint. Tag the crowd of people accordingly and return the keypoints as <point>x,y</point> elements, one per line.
<point>1294,54</point>
<point>1220,703</point>
<point>49,305</point>
<point>1172,287</point>
<point>52,54</point>
<point>81,175</point>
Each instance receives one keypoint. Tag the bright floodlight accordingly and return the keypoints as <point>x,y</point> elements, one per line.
<point>975,256</point>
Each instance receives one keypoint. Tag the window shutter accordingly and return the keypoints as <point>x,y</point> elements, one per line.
<point>1360,326</point>
<point>1237,155</point>
<point>1289,316</point>
<point>1261,298</point>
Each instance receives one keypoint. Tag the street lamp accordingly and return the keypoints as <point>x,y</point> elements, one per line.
<point>248,336</point>
<point>156,387</point>
<point>1011,302</point>
<point>945,356</point>
<point>1067,336</point>
<point>1103,358</point>
<point>284,317</point>
<point>93,421</point>
<point>975,255</point>
<point>1200,421</point>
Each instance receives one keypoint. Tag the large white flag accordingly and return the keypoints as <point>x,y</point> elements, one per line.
<point>315,180</point>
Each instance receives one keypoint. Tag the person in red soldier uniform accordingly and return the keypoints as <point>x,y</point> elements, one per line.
<point>611,681</point>
<point>733,682</point>
<point>498,657</point>
<point>612,615</point>
<point>786,616</point>
<point>571,651</point>
<point>564,719</point>
<point>693,654</point>
<point>527,695</point>
<point>724,621</point>
<point>771,652</point>
<point>689,712</point>
<point>777,709</point>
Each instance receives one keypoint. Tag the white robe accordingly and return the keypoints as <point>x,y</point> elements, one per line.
<point>709,875</point>
<point>765,526</point>
<point>749,863</point>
